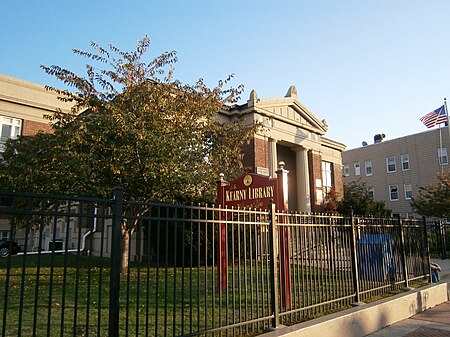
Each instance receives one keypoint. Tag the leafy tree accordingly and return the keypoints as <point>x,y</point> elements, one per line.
<point>132,124</point>
<point>331,202</point>
<point>357,198</point>
<point>434,199</point>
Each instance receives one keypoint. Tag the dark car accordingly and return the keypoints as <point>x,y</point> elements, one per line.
<point>8,247</point>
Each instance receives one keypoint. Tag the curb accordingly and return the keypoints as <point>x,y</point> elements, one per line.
<point>369,318</point>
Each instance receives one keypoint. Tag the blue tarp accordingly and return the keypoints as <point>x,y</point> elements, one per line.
<point>375,257</point>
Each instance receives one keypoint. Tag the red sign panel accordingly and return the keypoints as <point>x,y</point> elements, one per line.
<point>256,191</point>
<point>249,191</point>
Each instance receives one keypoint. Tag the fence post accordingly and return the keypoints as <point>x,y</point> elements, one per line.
<point>116,252</point>
<point>427,249</point>
<point>403,252</point>
<point>355,260</point>
<point>443,239</point>
<point>273,266</point>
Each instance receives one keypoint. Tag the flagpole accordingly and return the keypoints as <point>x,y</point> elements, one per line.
<point>448,128</point>
<point>440,145</point>
<point>448,120</point>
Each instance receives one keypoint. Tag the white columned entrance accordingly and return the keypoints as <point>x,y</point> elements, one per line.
<point>302,177</point>
<point>273,159</point>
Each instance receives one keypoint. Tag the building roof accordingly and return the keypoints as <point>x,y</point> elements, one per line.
<point>288,110</point>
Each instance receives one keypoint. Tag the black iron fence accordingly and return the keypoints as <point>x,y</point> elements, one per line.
<point>111,267</point>
<point>439,238</point>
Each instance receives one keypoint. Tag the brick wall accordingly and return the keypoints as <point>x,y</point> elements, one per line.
<point>338,181</point>
<point>256,153</point>
<point>30,128</point>
<point>261,152</point>
<point>249,155</point>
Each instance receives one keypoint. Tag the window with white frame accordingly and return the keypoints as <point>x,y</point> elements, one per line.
<point>10,128</point>
<point>405,162</point>
<point>327,177</point>
<point>390,164</point>
<point>393,192</point>
<point>443,156</point>
<point>371,192</point>
<point>408,191</point>
<point>368,167</point>
<point>346,170</point>
<point>319,191</point>
<point>357,169</point>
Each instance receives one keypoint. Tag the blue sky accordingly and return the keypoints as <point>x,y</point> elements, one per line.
<point>367,67</point>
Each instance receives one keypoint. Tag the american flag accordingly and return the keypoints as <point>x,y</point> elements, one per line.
<point>435,117</point>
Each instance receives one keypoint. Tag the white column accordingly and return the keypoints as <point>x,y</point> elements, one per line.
<point>302,177</point>
<point>273,160</point>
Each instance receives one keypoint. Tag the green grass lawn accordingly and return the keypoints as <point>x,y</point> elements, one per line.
<point>68,295</point>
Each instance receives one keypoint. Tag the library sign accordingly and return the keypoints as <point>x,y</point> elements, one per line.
<point>257,192</point>
<point>249,191</point>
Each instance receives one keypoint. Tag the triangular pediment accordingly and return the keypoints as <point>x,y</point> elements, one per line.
<point>288,110</point>
<point>291,111</point>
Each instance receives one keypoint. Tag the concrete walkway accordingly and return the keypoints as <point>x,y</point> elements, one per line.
<point>422,312</point>
<point>434,322</point>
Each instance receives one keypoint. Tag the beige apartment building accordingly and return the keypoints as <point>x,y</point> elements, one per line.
<point>395,169</point>
<point>293,134</point>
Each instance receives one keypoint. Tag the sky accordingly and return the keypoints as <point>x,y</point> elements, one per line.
<point>367,67</point>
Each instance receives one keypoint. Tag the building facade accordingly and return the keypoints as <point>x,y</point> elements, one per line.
<point>292,134</point>
<point>23,106</point>
<point>393,170</point>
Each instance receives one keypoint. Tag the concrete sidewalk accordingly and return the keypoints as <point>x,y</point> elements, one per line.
<point>434,322</point>
<point>422,312</point>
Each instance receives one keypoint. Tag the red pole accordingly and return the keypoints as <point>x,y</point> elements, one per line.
<point>222,267</point>
<point>222,244</point>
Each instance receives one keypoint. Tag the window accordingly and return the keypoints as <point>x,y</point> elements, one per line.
<point>408,191</point>
<point>390,162</point>
<point>10,128</point>
<point>357,169</point>
<point>393,192</point>
<point>443,156</point>
<point>4,235</point>
<point>319,192</point>
<point>327,177</point>
<point>371,192</point>
<point>346,170</point>
<point>405,162</point>
<point>368,167</point>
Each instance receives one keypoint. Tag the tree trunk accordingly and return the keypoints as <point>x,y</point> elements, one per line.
<point>125,251</point>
